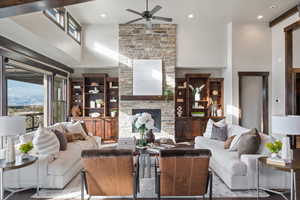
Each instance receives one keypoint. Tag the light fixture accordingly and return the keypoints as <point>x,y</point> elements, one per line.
<point>259,17</point>
<point>298,6</point>
<point>191,16</point>
<point>103,15</point>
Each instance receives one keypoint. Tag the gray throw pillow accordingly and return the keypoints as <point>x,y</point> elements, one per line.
<point>63,142</point>
<point>249,143</point>
<point>219,133</point>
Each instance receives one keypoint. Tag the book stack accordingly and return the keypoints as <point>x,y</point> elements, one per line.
<point>127,143</point>
<point>276,161</point>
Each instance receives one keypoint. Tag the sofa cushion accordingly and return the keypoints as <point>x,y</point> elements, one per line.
<point>225,159</point>
<point>249,143</point>
<point>209,127</point>
<point>228,142</point>
<point>219,133</point>
<point>89,143</point>
<point>65,160</point>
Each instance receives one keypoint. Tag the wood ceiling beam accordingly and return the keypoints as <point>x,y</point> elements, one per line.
<point>284,16</point>
<point>9,8</point>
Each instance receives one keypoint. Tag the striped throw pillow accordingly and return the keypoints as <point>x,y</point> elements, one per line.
<point>45,142</point>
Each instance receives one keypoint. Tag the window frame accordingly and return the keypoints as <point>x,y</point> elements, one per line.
<point>62,12</point>
<point>69,17</point>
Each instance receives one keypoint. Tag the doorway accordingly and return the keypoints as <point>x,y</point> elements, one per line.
<point>254,100</point>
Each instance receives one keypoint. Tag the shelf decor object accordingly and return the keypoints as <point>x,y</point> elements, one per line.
<point>11,127</point>
<point>289,127</point>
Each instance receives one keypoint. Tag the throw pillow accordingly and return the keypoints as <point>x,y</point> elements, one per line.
<point>72,137</point>
<point>75,128</point>
<point>209,127</point>
<point>219,133</point>
<point>249,143</point>
<point>45,142</point>
<point>59,127</point>
<point>63,142</point>
<point>228,142</point>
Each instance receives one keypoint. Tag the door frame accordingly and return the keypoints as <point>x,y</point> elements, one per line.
<point>265,95</point>
<point>289,70</point>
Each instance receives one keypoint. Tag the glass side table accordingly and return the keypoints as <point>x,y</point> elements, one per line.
<point>17,165</point>
<point>291,168</point>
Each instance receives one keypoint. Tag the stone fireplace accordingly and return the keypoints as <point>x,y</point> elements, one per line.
<point>137,42</point>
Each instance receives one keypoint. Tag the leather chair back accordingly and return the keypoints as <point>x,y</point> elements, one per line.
<point>108,172</point>
<point>184,172</point>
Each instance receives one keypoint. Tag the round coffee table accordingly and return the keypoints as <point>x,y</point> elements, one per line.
<point>291,167</point>
<point>4,166</point>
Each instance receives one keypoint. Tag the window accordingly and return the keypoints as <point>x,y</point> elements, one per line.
<point>25,95</point>
<point>59,101</point>
<point>57,15</point>
<point>74,29</point>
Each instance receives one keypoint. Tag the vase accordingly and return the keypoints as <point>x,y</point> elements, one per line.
<point>150,137</point>
<point>142,140</point>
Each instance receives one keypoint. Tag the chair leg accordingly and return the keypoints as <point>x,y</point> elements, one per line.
<point>158,185</point>
<point>82,185</point>
<point>210,186</point>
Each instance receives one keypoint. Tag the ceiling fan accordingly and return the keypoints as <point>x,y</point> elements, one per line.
<point>148,15</point>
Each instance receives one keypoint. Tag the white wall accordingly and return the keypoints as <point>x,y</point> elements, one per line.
<point>248,49</point>
<point>197,46</point>
<point>278,65</point>
<point>100,46</point>
<point>50,36</point>
<point>201,45</point>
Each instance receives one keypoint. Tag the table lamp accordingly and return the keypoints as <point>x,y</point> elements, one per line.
<point>287,126</point>
<point>10,127</point>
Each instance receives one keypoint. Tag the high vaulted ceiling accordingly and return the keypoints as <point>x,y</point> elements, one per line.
<point>204,10</point>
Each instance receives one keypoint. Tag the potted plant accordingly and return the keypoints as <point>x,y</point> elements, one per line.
<point>168,94</point>
<point>25,149</point>
<point>143,122</point>
<point>113,112</point>
<point>274,148</point>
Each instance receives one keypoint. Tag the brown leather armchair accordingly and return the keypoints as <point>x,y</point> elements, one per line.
<point>109,173</point>
<point>183,172</point>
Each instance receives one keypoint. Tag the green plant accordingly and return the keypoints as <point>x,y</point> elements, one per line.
<point>25,148</point>
<point>168,94</point>
<point>274,147</point>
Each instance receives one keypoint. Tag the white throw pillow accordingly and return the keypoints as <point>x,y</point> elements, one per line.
<point>238,131</point>
<point>45,142</point>
<point>209,127</point>
<point>76,128</point>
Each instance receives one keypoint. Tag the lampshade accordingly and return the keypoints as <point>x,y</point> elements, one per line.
<point>286,125</point>
<point>10,126</point>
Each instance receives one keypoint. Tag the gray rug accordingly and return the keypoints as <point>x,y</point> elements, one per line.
<point>72,191</point>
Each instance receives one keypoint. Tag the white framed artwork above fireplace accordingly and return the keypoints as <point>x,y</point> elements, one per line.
<point>147,77</point>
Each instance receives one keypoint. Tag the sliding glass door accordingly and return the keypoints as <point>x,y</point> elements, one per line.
<point>25,95</point>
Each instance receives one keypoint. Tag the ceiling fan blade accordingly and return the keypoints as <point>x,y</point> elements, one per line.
<point>155,10</point>
<point>162,19</point>
<point>135,20</point>
<point>135,12</point>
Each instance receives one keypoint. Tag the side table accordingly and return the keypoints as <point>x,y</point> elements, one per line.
<point>292,168</point>
<point>16,165</point>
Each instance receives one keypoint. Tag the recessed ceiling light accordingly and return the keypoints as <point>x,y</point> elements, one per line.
<point>103,15</point>
<point>191,16</point>
<point>260,17</point>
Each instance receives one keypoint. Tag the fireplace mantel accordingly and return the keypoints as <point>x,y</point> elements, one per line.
<point>145,98</point>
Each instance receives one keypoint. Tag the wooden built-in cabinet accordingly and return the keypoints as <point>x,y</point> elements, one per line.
<point>96,88</point>
<point>187,126</point>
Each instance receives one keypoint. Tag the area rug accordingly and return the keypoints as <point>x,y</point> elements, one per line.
<point>72,191</point>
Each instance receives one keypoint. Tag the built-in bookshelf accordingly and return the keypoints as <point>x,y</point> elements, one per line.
<point>192,113</point>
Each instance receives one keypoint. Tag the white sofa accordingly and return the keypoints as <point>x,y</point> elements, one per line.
<point>240,173</point>
<point>53,173</point>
